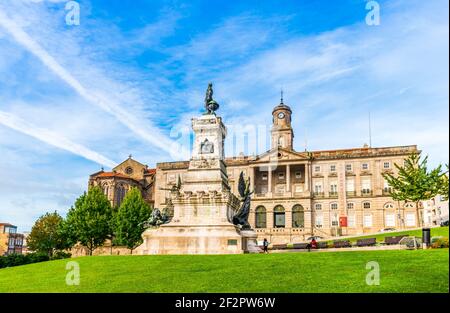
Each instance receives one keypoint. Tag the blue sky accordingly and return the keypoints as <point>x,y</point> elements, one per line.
<point>128,79</point>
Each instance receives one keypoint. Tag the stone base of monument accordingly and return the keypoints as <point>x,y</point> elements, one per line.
<point>249,242</point>
<point>189,239</point>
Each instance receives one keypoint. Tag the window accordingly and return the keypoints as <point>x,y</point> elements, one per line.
<point>318,187</point>
<point>350,206</point>
<point>410,219</point>
<point>409,205</point>
<point>279,217</point>
<point>348,167</point>
<point>350,185</point>
<point>333,168</point>
<point>264,176</point>
<point>120,194</point>
<point>298,216</point>
<point>280,188</point>
<point>318,206</point>
<point>319,221</point>
<point>129,170</point>
<point>388,206</point>
<point>366,205</point>
<point>334,206</point>
<point>365,184</point>
<point>365,166</point>
<point>351,221</point>
<point>333,187</point>
<point>390,220</point>
<point>281,176</point>
<point>298,175</point>
<point>316,168</point>
<point>334,219</point>
<point>260,217</point>
<point>386,165</point>
<point>368,220</point>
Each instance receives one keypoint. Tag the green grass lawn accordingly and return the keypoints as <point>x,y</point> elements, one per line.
<point>400,271</point>
<point>437,231</point>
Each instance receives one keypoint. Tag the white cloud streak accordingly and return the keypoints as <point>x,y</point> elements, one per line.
<point>53,139</point>
<point>141,128</point>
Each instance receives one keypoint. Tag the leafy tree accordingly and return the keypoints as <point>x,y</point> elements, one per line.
<point>46,236</point>
<point>444,184</point>
<point>89,221</point>
<point>130,218</point>
<point>414,182</point>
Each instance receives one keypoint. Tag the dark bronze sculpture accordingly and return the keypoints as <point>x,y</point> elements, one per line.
<point>210,104</point>
<point>241,217</point>
<point>158,218</point>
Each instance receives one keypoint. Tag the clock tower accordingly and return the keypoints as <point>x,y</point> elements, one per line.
<point>282,133</point>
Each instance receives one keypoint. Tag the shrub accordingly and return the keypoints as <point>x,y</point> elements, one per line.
<point>440,243</point>
<point>61,255</point>
<point>22,259</point>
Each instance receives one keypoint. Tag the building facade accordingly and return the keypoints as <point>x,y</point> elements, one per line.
<point>297,194</point>
<point>435,211</point>
<point>10,241</point>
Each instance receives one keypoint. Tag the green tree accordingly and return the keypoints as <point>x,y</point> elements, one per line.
<point>46,236</point>
<point>414,182</point>
<point>130,218</point>
<point>89,220</point>
<point>444,184</point>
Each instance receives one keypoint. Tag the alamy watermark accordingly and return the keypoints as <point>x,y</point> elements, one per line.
<point>373,276</point>
<point>73,13</point>
<point>373,16</point>
<point>73,274</point>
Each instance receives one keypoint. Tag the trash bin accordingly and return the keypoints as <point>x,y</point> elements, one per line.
<point>426,237</point>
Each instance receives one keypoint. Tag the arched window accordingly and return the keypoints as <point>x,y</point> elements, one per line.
<point>279,218</point>
<point>350,205</point>
<point>260,217</point>
<point>280,141</point>
<point>388,205</point>
<point>105,189</point>
<point>334,206</point>
<point>318,206</point>
<point>298,216</point>
<point>120,194</point>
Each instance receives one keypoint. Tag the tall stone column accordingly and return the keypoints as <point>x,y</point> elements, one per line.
<point>269,181</point>
<point>252,178</point>
<point>288,178</point>
<point>307,177</point>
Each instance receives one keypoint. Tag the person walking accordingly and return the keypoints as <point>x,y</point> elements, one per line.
<point>265,246</point>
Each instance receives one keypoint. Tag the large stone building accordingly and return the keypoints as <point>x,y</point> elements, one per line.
<point>10,241</point>
<point>297,194</point>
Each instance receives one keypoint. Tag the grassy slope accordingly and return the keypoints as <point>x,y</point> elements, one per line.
<point>401,271</point>
<point>437,231</point>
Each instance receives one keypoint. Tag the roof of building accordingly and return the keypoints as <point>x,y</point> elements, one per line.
<point>7,224</point>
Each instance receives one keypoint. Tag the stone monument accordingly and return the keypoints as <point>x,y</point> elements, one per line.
<point>203,206</point>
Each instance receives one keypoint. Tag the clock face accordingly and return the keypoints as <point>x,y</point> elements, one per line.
<point>281,115</point>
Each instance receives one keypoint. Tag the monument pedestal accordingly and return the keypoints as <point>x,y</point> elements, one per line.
<point>203,206</point>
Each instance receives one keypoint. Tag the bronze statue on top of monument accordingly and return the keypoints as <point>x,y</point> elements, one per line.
<point>210,104</point>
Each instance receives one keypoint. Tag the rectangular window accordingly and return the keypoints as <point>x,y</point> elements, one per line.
<point>350,185</point>
<point>318,187</point>
<point>334,206</point>
<point>319,221</point>
<point>365,166</point>
<point>333,168</point>
<point>368,220</point>
<point>333,187</point>
<point>350,205</point>
<point>318,206</point>
<point>365,184</point>
<point>334,220</point>
<point>316,168</point>
<point>351,220</point>
<point>387,165</point>
<point>348,167</point>
<point>390,220</point>
<point>410,219</point>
